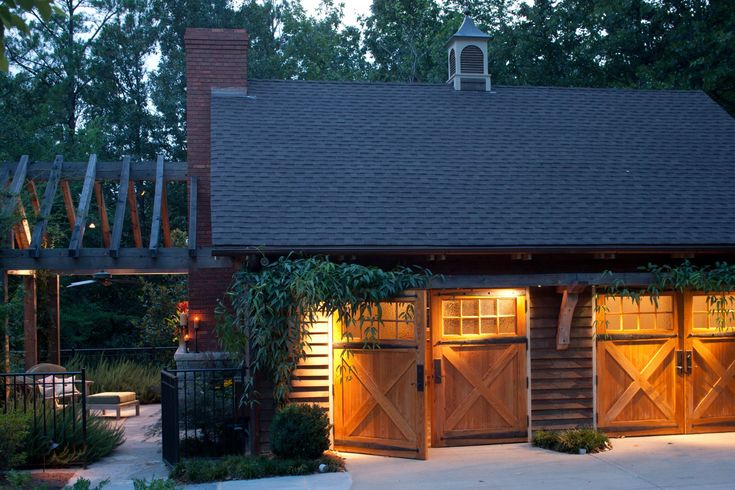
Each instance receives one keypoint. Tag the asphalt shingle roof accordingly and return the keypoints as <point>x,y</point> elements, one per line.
<point>361,165</point>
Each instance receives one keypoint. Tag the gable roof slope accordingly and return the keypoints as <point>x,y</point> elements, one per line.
<point>357,165</point>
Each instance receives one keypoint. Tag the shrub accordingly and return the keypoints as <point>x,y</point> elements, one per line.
<point>15,428</point>
<point>250,467</point>
<point>122,375</point>
<point>572,440</point>
<point>103,436</point>
<point>300,431</point>
<point>154,484</point>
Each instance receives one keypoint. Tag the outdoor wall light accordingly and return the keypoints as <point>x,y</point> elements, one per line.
<point>195,324</point>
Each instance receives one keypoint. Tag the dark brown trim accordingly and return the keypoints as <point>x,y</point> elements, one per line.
<point>471,250</point>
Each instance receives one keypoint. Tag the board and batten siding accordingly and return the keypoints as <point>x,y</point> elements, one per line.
<point>561,380</point>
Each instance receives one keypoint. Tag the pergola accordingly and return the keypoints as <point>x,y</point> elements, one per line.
<point>28,248</point>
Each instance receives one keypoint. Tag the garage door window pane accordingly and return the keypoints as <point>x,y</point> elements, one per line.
<point>479,316</point>
<point>713,315</point>
<point>626,314</point>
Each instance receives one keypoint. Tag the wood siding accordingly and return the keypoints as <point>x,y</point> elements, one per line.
<point>561,381</point>
<point>312,381</point>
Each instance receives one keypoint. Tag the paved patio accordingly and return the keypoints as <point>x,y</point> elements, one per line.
<point>701,461</point>
<point>138,457</point>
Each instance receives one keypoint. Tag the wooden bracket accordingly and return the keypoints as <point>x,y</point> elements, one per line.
<point>566,314</point>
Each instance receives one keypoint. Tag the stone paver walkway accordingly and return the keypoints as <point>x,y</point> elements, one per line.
<point>137,458</point>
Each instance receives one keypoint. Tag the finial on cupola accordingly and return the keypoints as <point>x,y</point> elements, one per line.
<point>467,57</point>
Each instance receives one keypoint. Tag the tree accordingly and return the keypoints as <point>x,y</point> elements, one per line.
<point>118,94</point>
<point>57,56</point>
<point>406,40</point>
<point>11,16</point>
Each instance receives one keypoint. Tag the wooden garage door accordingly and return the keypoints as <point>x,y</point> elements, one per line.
<point>379,405</point>
<point>709,367</point>
<point>638,388</point>
<point>479,368</point>
<point>665,370</point>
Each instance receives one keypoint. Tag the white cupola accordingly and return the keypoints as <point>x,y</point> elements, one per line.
<point>467,58</point>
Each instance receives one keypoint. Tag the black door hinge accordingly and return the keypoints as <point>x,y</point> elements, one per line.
<point>420,377</point>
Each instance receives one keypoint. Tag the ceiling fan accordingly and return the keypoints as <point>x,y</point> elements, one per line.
<point>103,278</point>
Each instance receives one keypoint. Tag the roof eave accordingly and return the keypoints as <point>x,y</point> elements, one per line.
<point>239,250</point>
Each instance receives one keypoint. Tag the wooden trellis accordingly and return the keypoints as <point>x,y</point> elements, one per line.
<point>29,251</point>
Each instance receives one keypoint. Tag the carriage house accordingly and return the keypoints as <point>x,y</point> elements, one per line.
<point>520,197</point>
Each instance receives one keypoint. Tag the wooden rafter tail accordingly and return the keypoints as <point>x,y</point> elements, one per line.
<point>165,225</point>
<point>33,195</point>
<point>193,216</point>
<point>49,194</point>
<point>13,204</point>
<point>122,196</point>
<point>134,217</point>
<point>157,200</point>
<point>15,186</point>
<point>102,208</point>
<point>77,235</point>
<point>71,215</point>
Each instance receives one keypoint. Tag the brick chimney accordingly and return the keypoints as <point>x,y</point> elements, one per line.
<point>215,58</point>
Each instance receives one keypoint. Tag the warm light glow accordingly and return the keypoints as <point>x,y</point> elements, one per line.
<point>92,226</point>
<point>507,293</point>
<point>186,337</point>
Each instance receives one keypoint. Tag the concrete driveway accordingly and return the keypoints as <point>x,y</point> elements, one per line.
<point>691,461</point>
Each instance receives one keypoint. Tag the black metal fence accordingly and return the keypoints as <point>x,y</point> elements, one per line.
<point>202,414</point>
<point>55,403</point>
<point>159,356</point>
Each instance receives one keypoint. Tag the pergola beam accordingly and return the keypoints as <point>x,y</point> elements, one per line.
<point>157,204</point>
<point>122,196</point>
<point>13,204</point>
<point>129,261</point>
<point>77,235</point>
<point>68,204</point>
<point>39,171</point>
<point>134,217</point>
<point>48,202</point>
<point>165,225</point>
<point>102,208</point>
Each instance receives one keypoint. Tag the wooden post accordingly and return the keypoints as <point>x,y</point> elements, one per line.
<point>30,325</point>
<point>6,299</point>
<point>54,344</point>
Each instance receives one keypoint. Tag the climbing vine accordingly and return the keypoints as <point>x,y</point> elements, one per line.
<point>716,281</point>
<point>269,312</point>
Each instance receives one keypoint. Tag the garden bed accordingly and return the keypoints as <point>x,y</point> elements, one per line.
<point>252,467</point>
<point>573,441</point>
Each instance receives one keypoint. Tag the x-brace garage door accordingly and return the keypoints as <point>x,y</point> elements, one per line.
<point>379,405</point>
<point>479,367</point>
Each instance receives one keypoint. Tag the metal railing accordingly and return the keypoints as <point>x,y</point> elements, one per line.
<point>202,414</point>
<point>56,403</point>
<point>160,356</point>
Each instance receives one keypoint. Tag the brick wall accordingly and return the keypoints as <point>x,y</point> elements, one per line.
<point>215,58</point>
